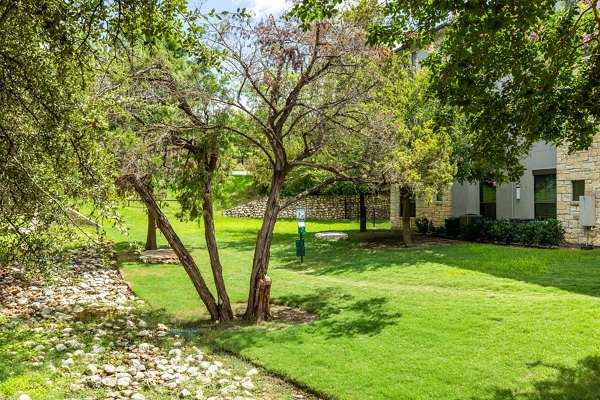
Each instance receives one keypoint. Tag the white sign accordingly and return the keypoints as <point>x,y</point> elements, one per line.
<point>300,214</point>
<point>301,224</point>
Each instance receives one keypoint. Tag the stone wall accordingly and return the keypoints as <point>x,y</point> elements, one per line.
<point>320,207</point>
<point>582,165</point>
<point>437,211</point>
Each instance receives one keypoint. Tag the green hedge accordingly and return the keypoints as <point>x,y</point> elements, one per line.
<point>534,233</point>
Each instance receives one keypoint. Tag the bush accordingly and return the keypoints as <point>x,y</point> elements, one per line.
<point>504,231</point>
<point>548,232</point>
<point>439,231</point>
<point>424,225</point>
<point>535,233</point>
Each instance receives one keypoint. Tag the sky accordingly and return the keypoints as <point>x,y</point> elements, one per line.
<point>261,8</point>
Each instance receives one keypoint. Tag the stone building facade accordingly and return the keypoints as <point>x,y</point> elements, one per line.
<point>582,166</point>
<point>437,210</point>
<point>320,207</point>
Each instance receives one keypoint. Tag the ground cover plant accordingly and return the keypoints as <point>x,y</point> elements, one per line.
<point>461,321</point>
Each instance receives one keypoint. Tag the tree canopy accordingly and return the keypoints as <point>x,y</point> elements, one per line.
<point>521,71</point>
<point>51,130</point>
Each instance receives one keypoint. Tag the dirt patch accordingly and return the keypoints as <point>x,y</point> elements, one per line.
<point>283,314</point>
<point>160,256</point>
<point>392,239</point>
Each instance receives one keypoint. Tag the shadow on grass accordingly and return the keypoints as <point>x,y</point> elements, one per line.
<point>341,315</point>
<point>581,382</point>
<point>573,271</point>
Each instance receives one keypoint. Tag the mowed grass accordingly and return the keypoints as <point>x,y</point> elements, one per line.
<point>466,321</point>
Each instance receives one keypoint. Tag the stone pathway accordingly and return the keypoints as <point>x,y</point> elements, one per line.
<point>88,326</point>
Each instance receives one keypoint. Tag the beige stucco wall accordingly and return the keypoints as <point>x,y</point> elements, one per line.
<point>582,165</point>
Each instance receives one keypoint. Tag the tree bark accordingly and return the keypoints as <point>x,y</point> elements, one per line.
<point>151,235</point>
<point>260,283</point>
<point>406,229</point>
<point>362,212</point>
<point>223,304</point>
<point>184,256</point>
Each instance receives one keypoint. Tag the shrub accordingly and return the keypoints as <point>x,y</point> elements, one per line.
<point>503,231</point>
<point>548,232</point>
<point>439,231</point>
<point>538,233</point>
<point>484,228</point>
<point>424,225</point>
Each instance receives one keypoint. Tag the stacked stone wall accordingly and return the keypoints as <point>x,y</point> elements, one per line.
<point>436,211</point>
<point>582,165</point>
<point>320,207</point>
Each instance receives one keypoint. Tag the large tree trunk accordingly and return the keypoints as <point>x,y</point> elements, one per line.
<point>406,229</point>
<point>224,305</point>
<point>362,208</point>
<point>260,283</point>
<point>151,234</point>
<point>184,256</point>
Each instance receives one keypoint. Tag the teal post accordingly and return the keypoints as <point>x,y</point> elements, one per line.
<point>300,249</point>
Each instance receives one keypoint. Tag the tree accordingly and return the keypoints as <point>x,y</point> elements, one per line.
<point>301,94</point>
<point>50,130</point>
<point>419,156</point>
<point>520,71</point>
<point>152,101</point>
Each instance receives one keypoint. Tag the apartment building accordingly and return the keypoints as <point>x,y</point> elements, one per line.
<point>551,186</point>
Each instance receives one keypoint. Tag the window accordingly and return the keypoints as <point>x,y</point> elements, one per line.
<point>544,194</point>
<point>412,205</point>
<point>439,196</point>
<point>578,189</point>
<point>487,200</point>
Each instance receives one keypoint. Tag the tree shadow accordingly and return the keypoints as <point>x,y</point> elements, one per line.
<point>341,315</point>
<point>577,272</point>
<point>335,258</point>
<point>581,382</point>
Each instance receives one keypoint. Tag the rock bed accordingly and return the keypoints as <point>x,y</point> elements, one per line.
<point>86,325</point>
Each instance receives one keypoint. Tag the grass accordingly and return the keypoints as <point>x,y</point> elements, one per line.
<point>466,321</point>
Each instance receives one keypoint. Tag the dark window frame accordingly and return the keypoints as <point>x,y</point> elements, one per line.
<point>544,195</point>
<point>487,208</point>
<point>577,189</point>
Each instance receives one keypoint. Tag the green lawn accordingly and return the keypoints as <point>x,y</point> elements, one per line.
<point>466,321</point>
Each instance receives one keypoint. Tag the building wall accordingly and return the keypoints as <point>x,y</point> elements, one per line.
<point>465,199</point>
<point>582,165</point>
<point>541,156</point>
<point>437,211</point>
<point>319,207</point>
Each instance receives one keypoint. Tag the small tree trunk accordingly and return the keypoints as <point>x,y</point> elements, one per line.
<point>406,229</point>
<point>224,305</point>
<point>260,283</point>
<point>362,212</point>
<point>151,235</point>
<point>184,256</point>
